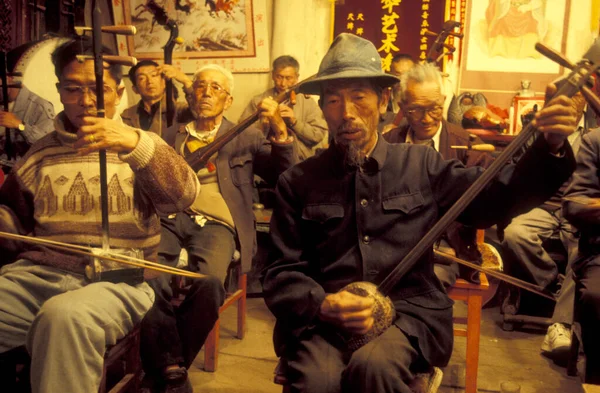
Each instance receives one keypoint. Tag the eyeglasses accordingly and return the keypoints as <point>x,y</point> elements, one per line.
<point>215,87</point>
<point>73,93</point>
<point>419,113</point>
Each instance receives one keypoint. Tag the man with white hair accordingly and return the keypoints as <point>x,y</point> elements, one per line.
<point>220,219</point>
<point>421,99</point>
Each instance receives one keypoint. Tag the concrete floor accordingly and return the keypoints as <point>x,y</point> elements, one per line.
<point>247,365</point>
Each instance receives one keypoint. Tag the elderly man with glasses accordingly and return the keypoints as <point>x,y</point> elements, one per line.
<point>65,319</point>
<point>220,220</point>
<point>421,101</point>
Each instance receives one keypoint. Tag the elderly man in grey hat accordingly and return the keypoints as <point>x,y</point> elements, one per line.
<point>353,212</point>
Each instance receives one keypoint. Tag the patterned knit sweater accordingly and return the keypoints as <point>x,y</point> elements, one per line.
<point>54,194</point>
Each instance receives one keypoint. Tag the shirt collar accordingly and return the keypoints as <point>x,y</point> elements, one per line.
<point>153,108</point>
<point>191,129</point>
<point>436,138</point>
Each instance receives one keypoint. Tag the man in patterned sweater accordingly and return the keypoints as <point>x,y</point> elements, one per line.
<point>47,304</point>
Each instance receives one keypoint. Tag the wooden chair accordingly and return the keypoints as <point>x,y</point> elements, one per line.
<point>123,358</point>
<point>238,280</point>
<point>122,367</point>
<point>473,295</point>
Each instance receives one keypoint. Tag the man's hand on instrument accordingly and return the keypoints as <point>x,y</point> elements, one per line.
<point>100,133</point>
<point>557,120</point>
<point>9,120</point>
<point>348,311</point>
<point>269,111</point>
<point>171,72</point>
<point>287,114</point>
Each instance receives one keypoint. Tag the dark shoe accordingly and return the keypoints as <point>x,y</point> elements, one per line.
<point>176,381</point>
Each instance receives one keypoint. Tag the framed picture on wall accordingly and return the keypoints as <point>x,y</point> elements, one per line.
<point>499,46</point>
<point>525,106</point>
<point>231,33</point>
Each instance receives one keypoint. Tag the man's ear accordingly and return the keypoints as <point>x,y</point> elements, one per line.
<point>228,102</point>
<point>135,89</point>
<point>385,98</point>
<point>120,91</point>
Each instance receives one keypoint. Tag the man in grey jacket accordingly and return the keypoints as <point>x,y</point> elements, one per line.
<point>302,115</point>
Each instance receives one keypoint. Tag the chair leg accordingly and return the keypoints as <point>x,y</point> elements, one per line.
<point>241,311</point>
<point>474,305</point>
<point>211,348</point>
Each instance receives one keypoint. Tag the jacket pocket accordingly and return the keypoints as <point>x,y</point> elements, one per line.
<point>241,169</point>
<point>407,203</point>
<point>323,212</point>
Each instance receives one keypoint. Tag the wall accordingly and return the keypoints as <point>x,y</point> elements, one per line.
<point>307,41</point>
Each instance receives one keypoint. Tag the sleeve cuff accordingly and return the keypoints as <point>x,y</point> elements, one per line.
<point>142,154</point>
<point>283,142</point>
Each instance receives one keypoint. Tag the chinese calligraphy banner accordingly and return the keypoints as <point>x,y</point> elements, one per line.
<point>393,26</point>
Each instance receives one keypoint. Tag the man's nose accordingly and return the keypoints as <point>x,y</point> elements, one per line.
<point>348,110</point>
<point>88,98</point>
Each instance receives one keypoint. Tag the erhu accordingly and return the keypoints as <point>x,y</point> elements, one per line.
<point>383,309</point>
<point>105,264</point>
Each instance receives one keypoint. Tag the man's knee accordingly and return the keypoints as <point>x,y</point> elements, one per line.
<point>515,234</point>
<point>376,361</point>
<point>209,290</point>
<point>314,379</point>
<point>55,312</point>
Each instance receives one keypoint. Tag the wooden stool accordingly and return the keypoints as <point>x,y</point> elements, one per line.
<point>472,294</point>
<point>211,344</point>
<point>122,359</point>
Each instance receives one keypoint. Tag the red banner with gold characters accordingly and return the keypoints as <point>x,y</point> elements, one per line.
<point>393,26</point>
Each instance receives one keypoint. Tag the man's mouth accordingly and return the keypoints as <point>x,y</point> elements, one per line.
<point>353,133</point>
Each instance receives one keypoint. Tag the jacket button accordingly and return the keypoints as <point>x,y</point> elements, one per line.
<point>364,202</point>
<point>366,239</point>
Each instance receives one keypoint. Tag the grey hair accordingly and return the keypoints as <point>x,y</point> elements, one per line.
<point>420,73</point>
<point>218,68</point>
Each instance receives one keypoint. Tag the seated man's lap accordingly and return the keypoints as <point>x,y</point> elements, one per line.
<point>210,250</point>
<point>321,363</point>
<point>43,295</point>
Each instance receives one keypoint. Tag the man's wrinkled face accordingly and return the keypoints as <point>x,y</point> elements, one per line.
<point>77,89</point>
<point>423,108</point>
<point>351,109</point>
<point>211,95</point>
<point>149,83</point>
<point>284,78</point>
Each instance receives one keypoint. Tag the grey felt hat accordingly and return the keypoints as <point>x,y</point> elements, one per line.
<point>349,57</point>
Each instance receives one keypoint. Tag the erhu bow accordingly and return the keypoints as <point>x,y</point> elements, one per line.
<point>577,80</point>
